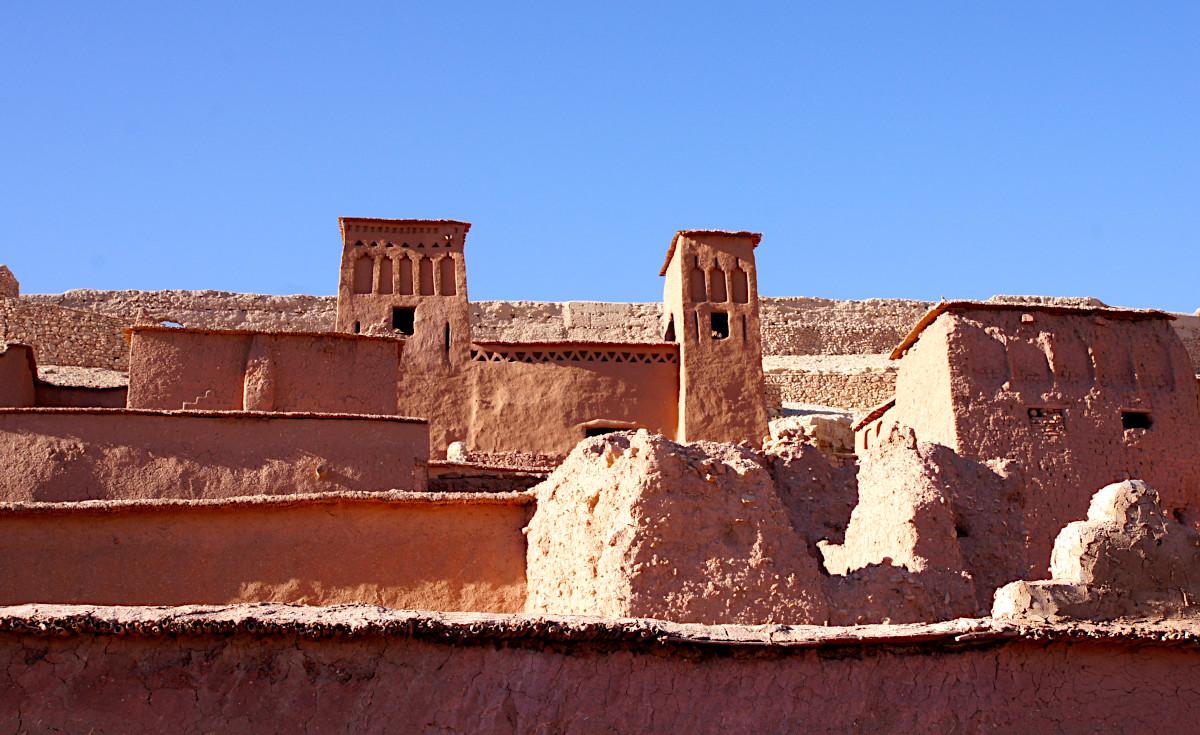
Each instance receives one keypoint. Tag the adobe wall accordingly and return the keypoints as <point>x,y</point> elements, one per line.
<point>355,670</point>
<point>1049,390</point>
<point>550,404</point>
<point>175,368</point>
<point>541,398</point>
<point>51,455</point>
<point>63,336</point>
<point>17,375</point>
<point>408,551</point>
<point>57,396</point>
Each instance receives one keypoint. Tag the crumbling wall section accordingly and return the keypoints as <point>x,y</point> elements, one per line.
<point>635,525</point>
<point>53,455</point>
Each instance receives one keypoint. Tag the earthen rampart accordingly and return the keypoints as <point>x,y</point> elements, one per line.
<point>52,455</point>
<point>398,550</point>
<point>231,370</point>
<point>361,669</point>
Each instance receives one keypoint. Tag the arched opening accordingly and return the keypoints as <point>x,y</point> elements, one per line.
<point>385,276</point>
<point>447,276</point>
<point>741,286</point>
<point>406,277</point>
<point>364,272</point>
<point>426,272</point>
<point>716,288</point>
<point>698,290</point>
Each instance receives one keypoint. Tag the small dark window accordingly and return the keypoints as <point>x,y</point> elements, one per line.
<point>1135,420</point>
<point>670,336</point>
<point>357,327</point>
<point>403,319</point>
<point>447,338</point>
<point>600,430</point>
<point>720,325</point>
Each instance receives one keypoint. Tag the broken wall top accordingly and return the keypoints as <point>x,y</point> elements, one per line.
<point>8,283</point>
<point>966,306</point>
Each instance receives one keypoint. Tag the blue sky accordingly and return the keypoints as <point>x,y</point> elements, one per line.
<point>884,149</point>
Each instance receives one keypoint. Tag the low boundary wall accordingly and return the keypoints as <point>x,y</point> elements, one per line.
<point>367,670</point>
<point>69,454</point>
<point>409,550</point>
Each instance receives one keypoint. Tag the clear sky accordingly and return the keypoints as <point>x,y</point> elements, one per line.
<point>885,149</point>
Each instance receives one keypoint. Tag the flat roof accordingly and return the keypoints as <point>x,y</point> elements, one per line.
<point>757,237</point>
<point>383,222</point>
<point>576,344</point>
<point>941,307</point>
<point>192,413</point>
<point>361,620</point>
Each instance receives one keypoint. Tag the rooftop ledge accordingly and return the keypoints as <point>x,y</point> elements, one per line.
<point>180,413</point>
<point>358,621</point>
<point>390,497</point>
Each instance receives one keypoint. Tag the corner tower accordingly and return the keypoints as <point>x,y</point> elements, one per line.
<point>407,277</point>
<point>711,309</point>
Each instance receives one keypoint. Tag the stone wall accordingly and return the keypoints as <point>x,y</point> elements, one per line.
<point>855,391</point>
<point>790,325</point>
<point>811,326</point>
<point>65,336</point>
<point>205,309</point>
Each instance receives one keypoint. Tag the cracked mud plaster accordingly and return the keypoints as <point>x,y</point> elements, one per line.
<point>252,684</point>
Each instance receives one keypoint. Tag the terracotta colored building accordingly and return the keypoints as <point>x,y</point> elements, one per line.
<point>1078,397</point>
<point>407,278</point>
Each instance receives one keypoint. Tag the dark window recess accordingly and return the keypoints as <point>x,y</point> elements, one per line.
<point>403,319</point>
<point>670,335</point>
<point>600,430</point>
<point>1135,420</point>
<point>447,338</point>
<point>720,325</point>
<point>357,327</point>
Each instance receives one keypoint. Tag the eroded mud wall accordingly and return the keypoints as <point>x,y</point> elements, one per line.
<point>172,369</point>
<point>464,553</point>
<point>251,683</point>
<point>50,455</point>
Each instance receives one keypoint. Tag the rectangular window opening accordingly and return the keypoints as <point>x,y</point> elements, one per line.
<point>404,319</point>
<point>720,325</point>
<point>1136,420</point>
